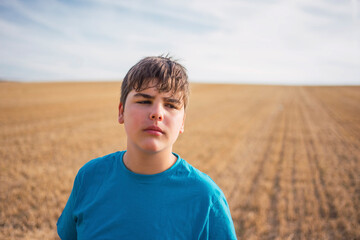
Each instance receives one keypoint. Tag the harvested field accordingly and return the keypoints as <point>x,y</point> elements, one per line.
<point>286,157</point>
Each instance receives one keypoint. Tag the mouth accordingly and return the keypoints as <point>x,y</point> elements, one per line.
<point>154,130</point>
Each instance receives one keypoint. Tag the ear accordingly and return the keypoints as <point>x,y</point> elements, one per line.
<point>182,129</point>
<point>121,113</point>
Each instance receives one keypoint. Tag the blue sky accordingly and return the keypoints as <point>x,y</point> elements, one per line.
<point>302,42</point>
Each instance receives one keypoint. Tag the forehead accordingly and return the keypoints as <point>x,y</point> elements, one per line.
<point>154,92</point>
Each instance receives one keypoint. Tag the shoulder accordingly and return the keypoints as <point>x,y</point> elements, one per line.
<point>201,182</point>
<point>99,165</point>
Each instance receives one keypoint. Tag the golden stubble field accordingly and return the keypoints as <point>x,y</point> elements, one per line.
<point>287,158</point>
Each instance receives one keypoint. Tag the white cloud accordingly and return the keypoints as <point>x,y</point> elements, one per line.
<point>297,42</point>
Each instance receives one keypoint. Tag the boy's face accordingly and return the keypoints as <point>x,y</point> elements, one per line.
<point>152,120</point>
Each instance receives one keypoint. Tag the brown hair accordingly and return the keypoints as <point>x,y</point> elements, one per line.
<point>167,74</point>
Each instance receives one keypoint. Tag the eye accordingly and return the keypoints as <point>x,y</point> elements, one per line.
<point>144,102</point>
<point>169,105</point>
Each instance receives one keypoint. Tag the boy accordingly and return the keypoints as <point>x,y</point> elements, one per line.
<point>147,192</point>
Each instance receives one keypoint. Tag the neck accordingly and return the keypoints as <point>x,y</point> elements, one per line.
<point>148,163</point>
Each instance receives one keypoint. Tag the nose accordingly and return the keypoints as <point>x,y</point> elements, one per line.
<point>157,114</point>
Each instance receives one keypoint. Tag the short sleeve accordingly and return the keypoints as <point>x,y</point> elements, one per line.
<point>66,224</point>
<point>221,225</point>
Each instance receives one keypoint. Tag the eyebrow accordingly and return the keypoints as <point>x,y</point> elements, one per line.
<point>144,95</point>
<point>147,96</point>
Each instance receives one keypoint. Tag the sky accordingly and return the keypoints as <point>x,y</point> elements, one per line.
<point>299,42</point>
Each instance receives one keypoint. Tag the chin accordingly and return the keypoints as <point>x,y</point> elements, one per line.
<point>152,148</point>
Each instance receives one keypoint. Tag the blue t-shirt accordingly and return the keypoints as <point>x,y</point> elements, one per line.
<point>108,201</point>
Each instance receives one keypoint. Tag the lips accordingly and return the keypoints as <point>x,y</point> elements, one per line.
<point>155,130</point>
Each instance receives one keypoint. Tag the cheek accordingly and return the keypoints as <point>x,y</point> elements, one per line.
<point>177,123</point>
<point>133,118</point>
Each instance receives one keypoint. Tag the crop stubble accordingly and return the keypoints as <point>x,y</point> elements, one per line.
<point>286,157</point>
